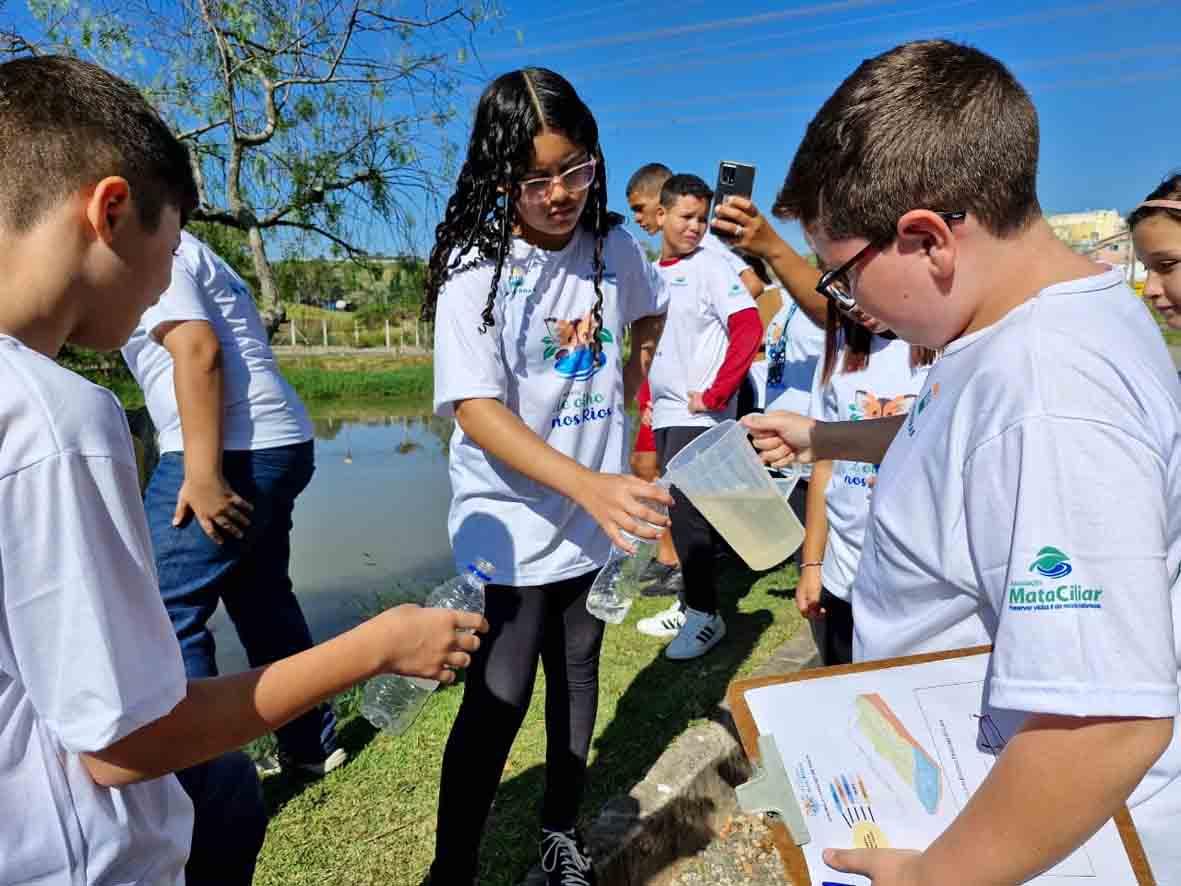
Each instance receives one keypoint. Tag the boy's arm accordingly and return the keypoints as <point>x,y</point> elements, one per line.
<point>787,437</point>
<point>615,501</point>
<point>1017,825</point>
<point>223,713</point>
<point>749,231</point>
<point>645,336</point>
<point>197,378</point>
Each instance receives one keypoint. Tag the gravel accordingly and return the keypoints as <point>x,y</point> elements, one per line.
<point>741,855</point>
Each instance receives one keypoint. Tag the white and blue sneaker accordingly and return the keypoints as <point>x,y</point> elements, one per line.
<point>700,633</point>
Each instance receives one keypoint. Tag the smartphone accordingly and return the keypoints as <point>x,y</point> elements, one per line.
<point>734,180</point>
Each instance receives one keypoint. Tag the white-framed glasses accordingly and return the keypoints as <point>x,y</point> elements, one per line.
<point>574,180</point>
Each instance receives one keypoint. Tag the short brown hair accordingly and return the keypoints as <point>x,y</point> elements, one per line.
<point>648,178</point>
<point>66,123</point>
<point>928,125</point>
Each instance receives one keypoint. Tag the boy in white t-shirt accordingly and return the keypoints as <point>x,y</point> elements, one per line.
<point>95,708</point>
<point>710,338</point>
<point>236,451</point>
<point>643,198</point>
<point>1032,495</point>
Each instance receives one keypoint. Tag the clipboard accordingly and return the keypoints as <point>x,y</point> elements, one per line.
<point>769,779</point>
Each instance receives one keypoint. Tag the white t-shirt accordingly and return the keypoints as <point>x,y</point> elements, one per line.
<point>703,293</point>
<point>1033,499</point>
<point>798,343</point>
<point>713,243</point>
<point>886,386</point>
<point>261,410</point>
<point>537,359</point>
<point>87,654</point>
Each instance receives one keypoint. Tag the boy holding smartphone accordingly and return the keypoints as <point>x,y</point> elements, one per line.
<point>710,338</point>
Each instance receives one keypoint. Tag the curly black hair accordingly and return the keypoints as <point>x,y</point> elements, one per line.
<point>514,109</point>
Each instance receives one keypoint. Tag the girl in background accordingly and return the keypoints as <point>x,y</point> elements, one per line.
<point>866,373</point>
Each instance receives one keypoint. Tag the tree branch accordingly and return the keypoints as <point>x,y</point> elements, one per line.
<point>345,39</point>
<point>353,251</point>
<point>418,23</point>
<point>315,195</point>
<point>190,134</point>
<point>218,216</point>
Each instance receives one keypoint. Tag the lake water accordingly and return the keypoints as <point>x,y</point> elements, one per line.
<point>372,522</point>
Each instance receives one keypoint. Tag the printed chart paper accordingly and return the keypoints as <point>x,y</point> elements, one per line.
<point>888,758</point>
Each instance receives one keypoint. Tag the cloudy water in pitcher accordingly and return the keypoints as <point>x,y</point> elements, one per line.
<point>757,524</point>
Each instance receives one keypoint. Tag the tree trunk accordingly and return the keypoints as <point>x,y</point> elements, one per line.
<point>269,307</point>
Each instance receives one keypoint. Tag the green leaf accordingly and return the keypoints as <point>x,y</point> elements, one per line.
<point>606,336</point>
<point>550,350</point>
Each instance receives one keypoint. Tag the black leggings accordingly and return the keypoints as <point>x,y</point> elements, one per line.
<point>551,623</point>
<point>693,536</point>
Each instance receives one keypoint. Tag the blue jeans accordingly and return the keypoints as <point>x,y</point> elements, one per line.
<point>229,821</point>
<point>249,576</point>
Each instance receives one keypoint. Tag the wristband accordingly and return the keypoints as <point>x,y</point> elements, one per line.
<point>813,563</point>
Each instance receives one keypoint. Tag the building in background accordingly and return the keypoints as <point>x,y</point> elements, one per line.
<point>1082,230</point>
<point>1101,234</point>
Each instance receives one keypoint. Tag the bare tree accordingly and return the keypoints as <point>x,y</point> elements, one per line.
<point>308,120</point>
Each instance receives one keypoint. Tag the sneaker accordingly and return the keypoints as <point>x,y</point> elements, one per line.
<point>564,860</point>
<point>670,583</point>
<point>267,766</point>
<point>333,761</point>
<point>700,634</point>
<point>654,571</point>
<point>664,624</point>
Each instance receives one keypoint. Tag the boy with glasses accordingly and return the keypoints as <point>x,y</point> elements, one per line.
<point>992,518</point>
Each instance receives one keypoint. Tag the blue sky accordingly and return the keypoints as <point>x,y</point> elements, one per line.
<point>690,82</point>
<point>693,82</point>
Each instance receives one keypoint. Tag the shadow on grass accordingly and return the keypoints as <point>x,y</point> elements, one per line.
<point>660,702</point>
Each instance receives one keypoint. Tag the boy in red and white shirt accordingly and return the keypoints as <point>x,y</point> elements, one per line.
<point>709,341</point>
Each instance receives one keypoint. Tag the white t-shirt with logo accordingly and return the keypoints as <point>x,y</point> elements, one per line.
<point>261,410</point>
<point>1033,499</point>
<point>538,360</point>
<point>703,293</point>
<point>795,341</point>
<point>715,244</point>
<point>87,653</point>
<point>887,386</point>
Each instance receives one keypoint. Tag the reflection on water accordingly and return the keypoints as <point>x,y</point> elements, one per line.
<point>373,520</point>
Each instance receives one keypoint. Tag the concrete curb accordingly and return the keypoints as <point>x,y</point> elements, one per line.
<point>685,798</point>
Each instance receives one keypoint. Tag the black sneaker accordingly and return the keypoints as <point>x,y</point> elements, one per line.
<point>670,583</point>
<point>654,571</point>
<point>564,860</point>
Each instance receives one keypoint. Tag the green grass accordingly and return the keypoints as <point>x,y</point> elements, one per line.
<point>373,821</point>
<point>316,384</point>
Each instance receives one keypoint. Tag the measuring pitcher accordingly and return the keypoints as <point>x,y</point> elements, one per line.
<point>722,475</point>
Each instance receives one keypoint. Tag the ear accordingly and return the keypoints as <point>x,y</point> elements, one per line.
<point>109,208</point>
<point>925,232</point>
<point>661,215</point>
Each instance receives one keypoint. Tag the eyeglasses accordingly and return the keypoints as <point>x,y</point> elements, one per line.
<point>834,285</point>
<point>574,180</point>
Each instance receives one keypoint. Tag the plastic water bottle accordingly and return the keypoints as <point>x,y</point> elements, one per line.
<point>618,583</point>
<point>391,702</point>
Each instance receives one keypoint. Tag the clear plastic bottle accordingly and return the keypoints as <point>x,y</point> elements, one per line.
<point>619,581</point>
<point>391,702</point>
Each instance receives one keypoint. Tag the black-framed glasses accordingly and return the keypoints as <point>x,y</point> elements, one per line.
<point>834,285</point>
<point>574,180</point>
